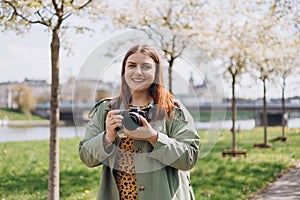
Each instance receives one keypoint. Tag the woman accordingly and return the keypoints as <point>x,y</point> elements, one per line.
<point>153,160</point>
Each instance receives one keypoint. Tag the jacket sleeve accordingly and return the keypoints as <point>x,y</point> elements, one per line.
<point>91,148</point>
<point>179,146</point>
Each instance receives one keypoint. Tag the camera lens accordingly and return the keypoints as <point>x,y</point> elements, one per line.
<point>131,120</point>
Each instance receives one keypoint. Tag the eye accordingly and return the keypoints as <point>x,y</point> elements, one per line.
<point>146,67</point>
<point>131,66</point>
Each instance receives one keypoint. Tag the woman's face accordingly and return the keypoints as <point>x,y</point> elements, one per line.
<point>139,72</point>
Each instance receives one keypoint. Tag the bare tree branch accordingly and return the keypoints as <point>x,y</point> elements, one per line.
<point>16,13</point>
<point>55,5</point>
<point>82,6</point>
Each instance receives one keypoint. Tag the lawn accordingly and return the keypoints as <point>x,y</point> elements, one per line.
<point>14,114</point>
<point>215,177</point>
<point>207,116</point>
<point>24,165</point>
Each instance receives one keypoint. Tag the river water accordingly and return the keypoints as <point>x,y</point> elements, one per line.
<point>8,133</point>
<point>247,124</point>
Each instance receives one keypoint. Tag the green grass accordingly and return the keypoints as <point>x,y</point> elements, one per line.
<point>24,168</point>
<point>24,171</point>
<point>206,116</point>
<point>215,177</point>
<point>14,114</point>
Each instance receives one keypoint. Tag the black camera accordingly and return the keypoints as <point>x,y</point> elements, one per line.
<point>131,120</point>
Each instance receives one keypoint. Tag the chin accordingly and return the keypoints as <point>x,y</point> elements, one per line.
<point>139,89</point>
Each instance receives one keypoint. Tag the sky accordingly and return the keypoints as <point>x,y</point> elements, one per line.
<point>28,56</point>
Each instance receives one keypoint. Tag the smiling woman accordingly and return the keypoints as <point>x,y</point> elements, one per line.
<point>153,160</point>
<point>140,73</point>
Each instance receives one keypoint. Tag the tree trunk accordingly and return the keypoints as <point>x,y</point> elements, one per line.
<point>283,120</point>
<point>53,179</point>
<point>233,117</point>
<point>171,61</point>
<point>265,113</point>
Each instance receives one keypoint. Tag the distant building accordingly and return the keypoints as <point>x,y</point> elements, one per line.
<point>199,93</point>
<point>87,90</point>
<point>294,100</point>
<point>6,94</point>
<point>8,91</point>
<point>41,90</point>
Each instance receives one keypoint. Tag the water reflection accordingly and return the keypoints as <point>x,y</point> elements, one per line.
<point>8,133</point>
<point>226,125</point>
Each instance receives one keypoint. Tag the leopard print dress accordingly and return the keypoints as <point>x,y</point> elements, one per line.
<point>125,170</point>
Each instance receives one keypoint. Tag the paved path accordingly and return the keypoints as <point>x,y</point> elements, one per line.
<point>287,187</point>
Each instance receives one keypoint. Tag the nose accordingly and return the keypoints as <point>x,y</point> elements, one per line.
<point>138,69</point>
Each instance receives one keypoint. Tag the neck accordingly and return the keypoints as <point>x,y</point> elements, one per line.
<point>140,99</point>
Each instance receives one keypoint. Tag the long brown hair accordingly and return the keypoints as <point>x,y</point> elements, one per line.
<point>162,99</point>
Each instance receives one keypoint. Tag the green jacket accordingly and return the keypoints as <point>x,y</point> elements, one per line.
<point>162,171</point>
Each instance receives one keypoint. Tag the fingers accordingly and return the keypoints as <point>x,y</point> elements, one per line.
<point>113,115</point>
<point>141,133</point>
<point>113,112</point>
<point>143,120</point>
<point>113,120</point>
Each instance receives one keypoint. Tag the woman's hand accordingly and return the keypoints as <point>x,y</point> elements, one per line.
<point>145,132</point>
<point>113,120</point>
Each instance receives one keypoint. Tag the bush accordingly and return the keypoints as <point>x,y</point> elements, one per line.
<point>24,99</point>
